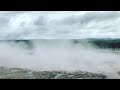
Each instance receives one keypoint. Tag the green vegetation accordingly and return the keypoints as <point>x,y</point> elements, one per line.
<point>113,44</point>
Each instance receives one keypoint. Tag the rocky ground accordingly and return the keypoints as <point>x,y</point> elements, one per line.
<point>18,73</point>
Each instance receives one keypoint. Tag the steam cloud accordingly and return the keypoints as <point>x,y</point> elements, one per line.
<point>58,55</point>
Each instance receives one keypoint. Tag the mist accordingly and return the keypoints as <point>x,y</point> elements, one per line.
<point>50,55</point>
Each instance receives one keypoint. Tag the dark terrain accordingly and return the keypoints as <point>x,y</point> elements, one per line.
<point>18,73</point>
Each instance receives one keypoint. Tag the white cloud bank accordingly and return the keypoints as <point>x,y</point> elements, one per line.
<point>59,24</point>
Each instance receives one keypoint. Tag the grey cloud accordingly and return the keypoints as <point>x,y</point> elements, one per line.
<point>3,21</point>
<point>38,24</point>
<point>40,21</point>
<point>5,17</point>
<point>90,17</point>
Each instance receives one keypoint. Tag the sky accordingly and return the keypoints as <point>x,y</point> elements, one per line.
<point>59,24</point>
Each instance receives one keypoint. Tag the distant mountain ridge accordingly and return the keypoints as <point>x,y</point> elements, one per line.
<point>105,43</point>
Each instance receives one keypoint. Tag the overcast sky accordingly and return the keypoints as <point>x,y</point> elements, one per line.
<point>59,24</point>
